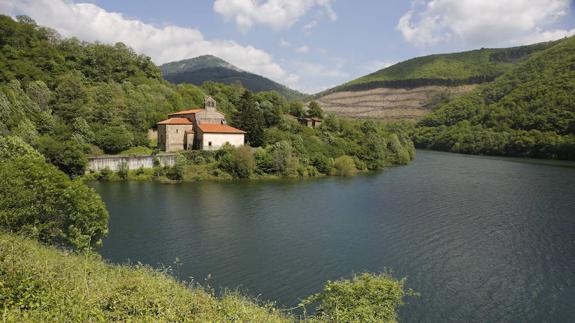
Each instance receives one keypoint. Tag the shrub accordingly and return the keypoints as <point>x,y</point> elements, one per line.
<point>114,139</point>
<point>363,298</point>
<point>322,163</point>
<point>344,166</point>
<point>123,172</point>
<point>67,155</point>
<point>239,161</point>
<point>38,200</point>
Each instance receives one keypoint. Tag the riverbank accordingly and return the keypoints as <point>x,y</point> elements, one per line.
<point>277,161</point>
<point>39,283</point>
<point>42,284</point>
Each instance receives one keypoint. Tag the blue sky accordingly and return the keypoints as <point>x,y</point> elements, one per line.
<point>309,45</point>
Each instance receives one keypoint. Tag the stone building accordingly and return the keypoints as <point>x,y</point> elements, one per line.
<point>204,129</point>
<point>310,122</point>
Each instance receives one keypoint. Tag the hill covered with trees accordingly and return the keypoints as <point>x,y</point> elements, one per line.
<point>411,89</point>
<point>470,67</point>
<point>210,68</point>
<point>70,99</point>
<point>529,111</point>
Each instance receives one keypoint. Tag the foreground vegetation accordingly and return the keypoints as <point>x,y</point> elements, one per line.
<point>527,112</point>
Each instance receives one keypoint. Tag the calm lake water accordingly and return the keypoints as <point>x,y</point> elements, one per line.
<point>482,239</point>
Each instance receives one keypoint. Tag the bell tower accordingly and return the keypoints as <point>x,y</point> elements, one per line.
<point>210,104</point>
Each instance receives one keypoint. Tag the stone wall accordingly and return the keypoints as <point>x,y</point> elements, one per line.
<point>133,162</point>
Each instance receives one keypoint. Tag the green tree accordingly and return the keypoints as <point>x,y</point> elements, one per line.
<point>344,166</point>
<point>114,139</point>
<point>67,155</point>
<point>238,161</point>
<point>71,96</point>
<point>250,118</point>
<point>314,110</point>
<point>38,200</point>
<point>296,109</point>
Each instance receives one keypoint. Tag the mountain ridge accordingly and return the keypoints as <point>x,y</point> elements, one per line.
<point>207,68</point>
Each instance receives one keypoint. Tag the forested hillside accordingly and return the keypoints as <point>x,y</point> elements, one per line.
<point>528,111</point>
<point>411,89</point>
<point>471,67</point>
<point>210,68</point>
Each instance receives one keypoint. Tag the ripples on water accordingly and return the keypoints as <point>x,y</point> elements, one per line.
<point>482,239</point>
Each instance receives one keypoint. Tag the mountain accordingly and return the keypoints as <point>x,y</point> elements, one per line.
<point>211,68</point>
<point>411,89</point>
<point>528,111</point>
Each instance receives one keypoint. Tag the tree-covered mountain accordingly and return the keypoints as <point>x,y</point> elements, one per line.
<point>411,89</point>
<point>528,111</point>
<point>210,68</point>
<point>470,67</point>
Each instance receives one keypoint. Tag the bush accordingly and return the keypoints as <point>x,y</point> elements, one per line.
<point>344,166</point>
<point>322,163</point>
<point>364,298</point>
<point>68,155</point>
<point>39,201</point>
<point>239,161</point>
<point>114,139</point>
<point>123,172</point>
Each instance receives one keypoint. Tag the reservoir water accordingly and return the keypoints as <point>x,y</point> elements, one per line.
<point>482,239</point>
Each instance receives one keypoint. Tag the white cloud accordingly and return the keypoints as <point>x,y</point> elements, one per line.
<point>163,44</point>
<point>316,77</point>
<point>310,25</point>
<point>303,49</point>
<point>482,22</point>
<point>277,14</point>
<point>284,43</point>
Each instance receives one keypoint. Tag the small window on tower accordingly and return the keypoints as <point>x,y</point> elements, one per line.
<point>210,143</point>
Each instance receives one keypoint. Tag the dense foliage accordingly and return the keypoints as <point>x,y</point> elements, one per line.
<point>529,111</point>
<point>339,147</point>
<point>471,67</point>
<point>39,201</point>
<point>88,97</point>
<point>363,298</point>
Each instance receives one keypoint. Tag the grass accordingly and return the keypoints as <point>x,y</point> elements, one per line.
<point>42,284</point>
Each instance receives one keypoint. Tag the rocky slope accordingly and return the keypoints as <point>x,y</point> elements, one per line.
<point>389,103</point>
<point>411,89</point>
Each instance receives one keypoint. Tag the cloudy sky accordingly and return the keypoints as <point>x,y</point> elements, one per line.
<point>309,45</point>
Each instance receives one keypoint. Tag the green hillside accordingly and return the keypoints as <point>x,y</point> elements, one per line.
<point>528,111</point>
<point>206,68</point>
<point>469,67</point>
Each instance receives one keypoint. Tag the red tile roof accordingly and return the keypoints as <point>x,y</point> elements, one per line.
<point>193,111</point>
<point>177,121</point>
<point>218,128</point>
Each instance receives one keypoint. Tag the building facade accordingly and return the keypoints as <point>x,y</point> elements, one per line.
<point>204,129</point>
